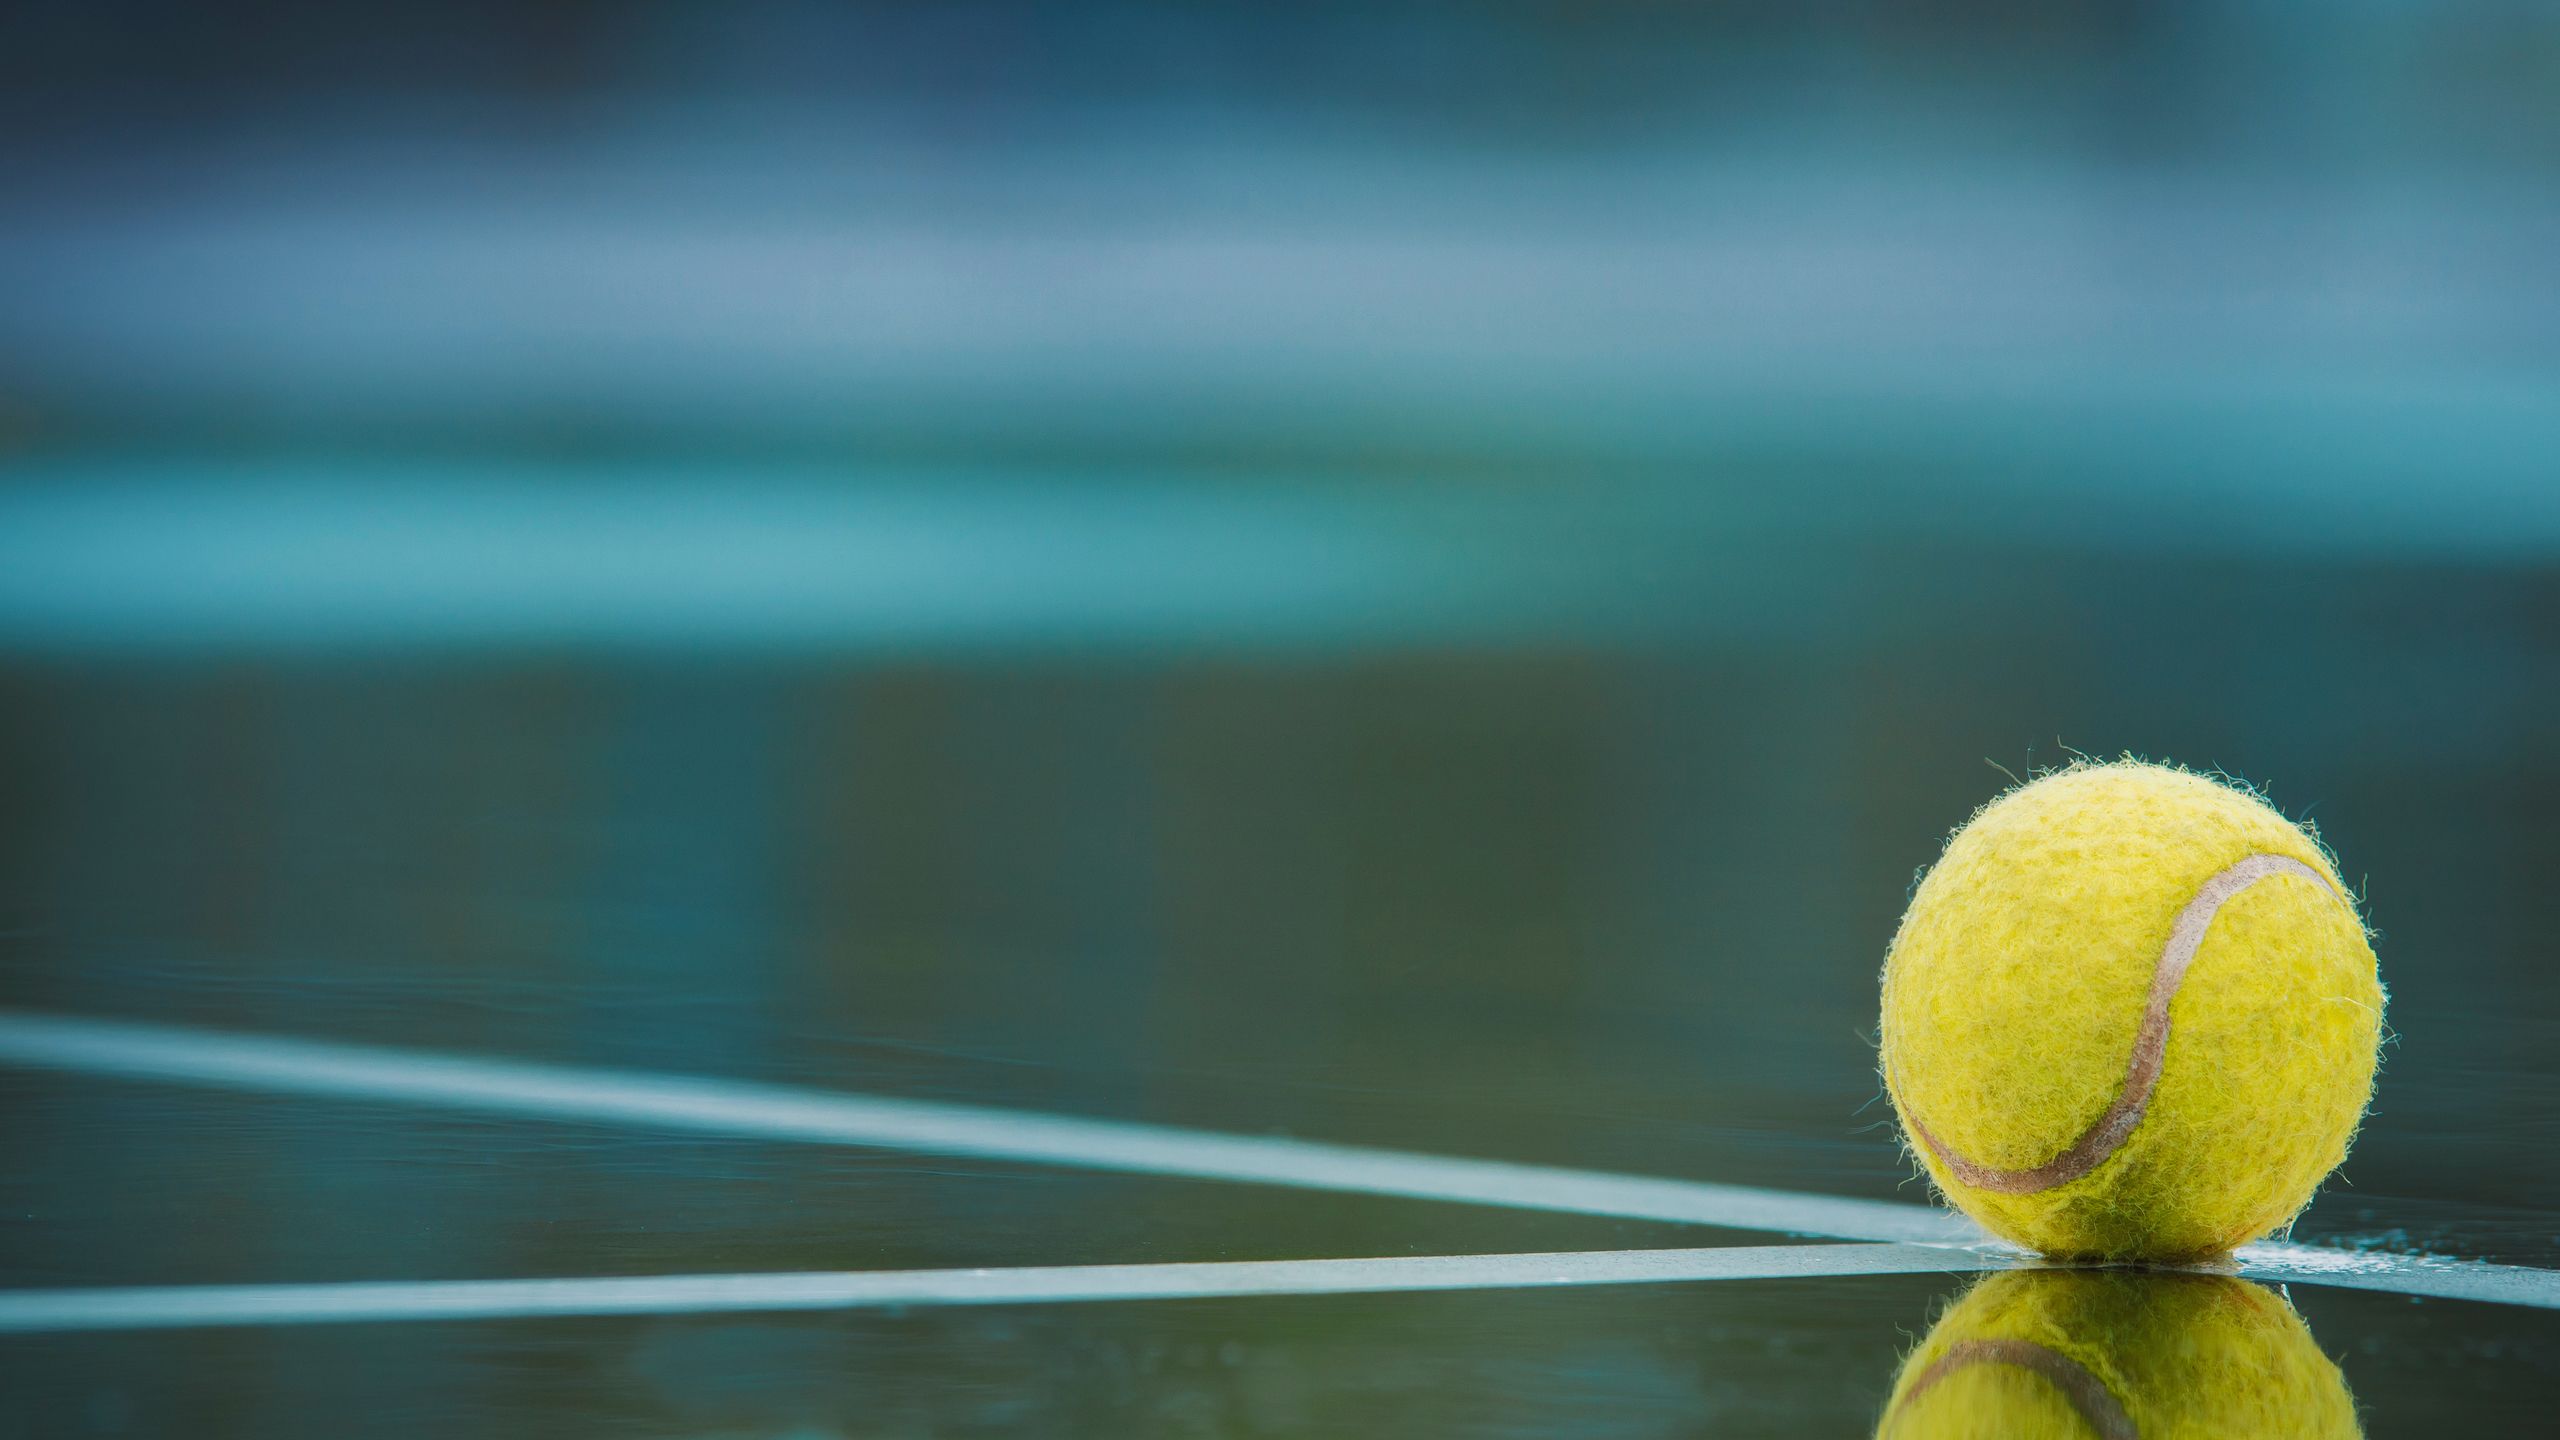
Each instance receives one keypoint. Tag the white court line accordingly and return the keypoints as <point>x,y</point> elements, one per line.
<point>2433,1276</point>
<point>166,1307</point>
<point>774,1112</point>
<point>777,1112</point>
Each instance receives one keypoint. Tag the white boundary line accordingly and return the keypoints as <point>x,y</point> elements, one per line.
<point>777,1112</point>
<point>31,1311</point>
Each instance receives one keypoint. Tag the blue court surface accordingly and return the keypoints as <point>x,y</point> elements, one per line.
<point>1294,959</point>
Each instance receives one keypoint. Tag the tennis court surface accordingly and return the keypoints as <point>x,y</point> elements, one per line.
<point>1028,1016</point>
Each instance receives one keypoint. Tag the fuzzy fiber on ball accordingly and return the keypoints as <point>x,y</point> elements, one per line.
<point>2072,1355</point>
<point>2014,1023</point>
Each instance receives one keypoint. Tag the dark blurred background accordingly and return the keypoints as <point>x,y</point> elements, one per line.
<point>1420,574</point>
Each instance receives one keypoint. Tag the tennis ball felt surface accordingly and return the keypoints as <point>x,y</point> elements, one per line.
<point>2131,1014</point>
<point>2043,1355</point>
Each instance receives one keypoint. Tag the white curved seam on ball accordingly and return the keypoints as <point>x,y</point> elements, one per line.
<point>2150,1044</point>
<point>2087,1395</point>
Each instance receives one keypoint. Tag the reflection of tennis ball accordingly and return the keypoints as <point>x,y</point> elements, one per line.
<point>2045,1354</point>
<point>2131,1014</point>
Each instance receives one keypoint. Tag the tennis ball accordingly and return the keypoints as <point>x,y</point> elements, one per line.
<point>2048,1354</point>
<point>2131,1014</point>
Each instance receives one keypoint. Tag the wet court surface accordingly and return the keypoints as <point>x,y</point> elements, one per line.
<point>1556,890</point>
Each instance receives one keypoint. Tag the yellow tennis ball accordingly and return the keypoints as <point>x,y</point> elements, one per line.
<point>2045,1355</point>
<point>2131,1014</point>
